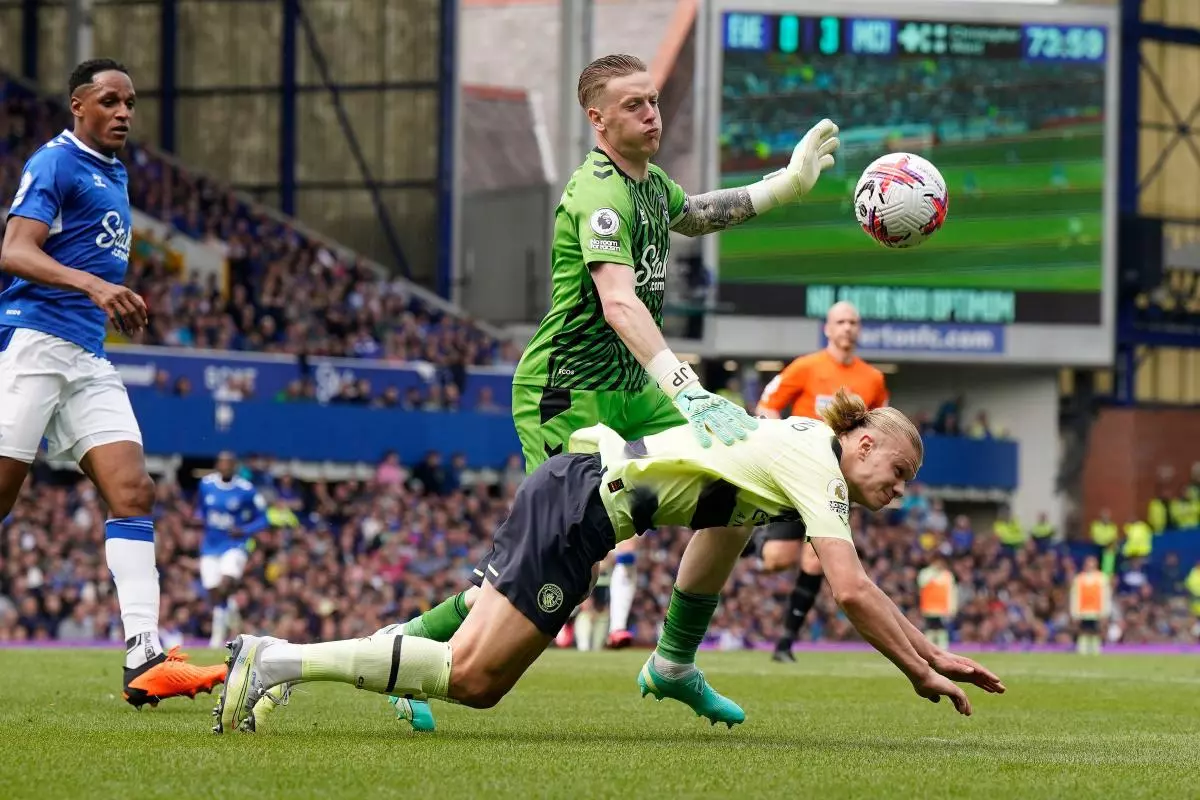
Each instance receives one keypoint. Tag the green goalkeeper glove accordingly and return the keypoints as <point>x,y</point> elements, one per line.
<point>812,156</point>
<point>706,413</point>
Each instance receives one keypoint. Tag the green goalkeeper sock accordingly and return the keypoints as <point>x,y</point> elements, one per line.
<point>688,617</point>
<point>440,622</point>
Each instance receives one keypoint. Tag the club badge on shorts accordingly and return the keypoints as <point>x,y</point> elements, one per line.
<point>550,598</point>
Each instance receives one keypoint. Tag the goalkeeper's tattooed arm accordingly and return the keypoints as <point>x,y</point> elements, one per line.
<point>724,208</point>
<point>715,211</point>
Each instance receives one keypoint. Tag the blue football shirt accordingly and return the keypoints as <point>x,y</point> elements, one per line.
<point>83,196</point>
<point>228,507</point>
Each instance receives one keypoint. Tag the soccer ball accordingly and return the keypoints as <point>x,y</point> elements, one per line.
<point>901,200</point>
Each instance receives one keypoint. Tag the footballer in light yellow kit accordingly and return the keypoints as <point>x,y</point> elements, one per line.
<point>569,514</point>
<point>786,470</point>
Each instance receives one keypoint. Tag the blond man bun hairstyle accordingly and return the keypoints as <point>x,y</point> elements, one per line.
<point>847,412</point>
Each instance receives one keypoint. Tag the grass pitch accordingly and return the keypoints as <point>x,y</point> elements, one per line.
<point>836,725</point>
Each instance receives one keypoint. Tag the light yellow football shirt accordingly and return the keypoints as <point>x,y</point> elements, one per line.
<point>787,469</point>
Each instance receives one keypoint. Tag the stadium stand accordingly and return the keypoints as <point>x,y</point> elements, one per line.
<point>289,290</point>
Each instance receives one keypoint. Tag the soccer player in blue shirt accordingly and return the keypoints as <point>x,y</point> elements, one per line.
<point>66,247</point>
<point>232,511</point>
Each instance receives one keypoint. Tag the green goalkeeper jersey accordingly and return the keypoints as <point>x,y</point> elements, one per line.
<point>787,469</point>
<point>603,216</point>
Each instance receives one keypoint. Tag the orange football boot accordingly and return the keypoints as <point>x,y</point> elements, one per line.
<point>619,640</point>
<point>170,675</point>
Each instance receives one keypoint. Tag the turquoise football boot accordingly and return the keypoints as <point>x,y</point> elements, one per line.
<point>693,691</point>
<point>417,712</point>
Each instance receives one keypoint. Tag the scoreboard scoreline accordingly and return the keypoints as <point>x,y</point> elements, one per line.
<point>881,37</point>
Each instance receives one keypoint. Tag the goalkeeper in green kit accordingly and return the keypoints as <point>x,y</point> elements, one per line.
<point>599,355</point>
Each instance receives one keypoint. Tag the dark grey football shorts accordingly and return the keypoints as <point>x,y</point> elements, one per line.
<point>542,555</point>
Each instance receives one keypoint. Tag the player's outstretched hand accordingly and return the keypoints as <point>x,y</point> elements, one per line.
<point>965,670</point>
<point>124,307</point>
<point>812,156</point>
<point>710,414</point>
<point>737,419</point>
<point>934,686</point>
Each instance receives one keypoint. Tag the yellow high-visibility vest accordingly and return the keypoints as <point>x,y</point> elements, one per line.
<point>1104,533</point>
<point>1192,583</point>
<point>1186,512</point>
<point>1139,540</point>
<point>1156,515</point>
<point>1043,530</point>
<point>1009,532</point>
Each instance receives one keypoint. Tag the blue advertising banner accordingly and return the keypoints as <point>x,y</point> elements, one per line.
<point>202,427</point>
<point>269,374</point>
<point>969,463</point>
<point>921,337</point>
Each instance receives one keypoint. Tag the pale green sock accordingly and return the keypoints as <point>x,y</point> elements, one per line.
<point>397,665</point>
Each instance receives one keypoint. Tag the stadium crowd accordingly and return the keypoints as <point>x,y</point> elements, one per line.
<point>289,293</point>
<point>342,559</point>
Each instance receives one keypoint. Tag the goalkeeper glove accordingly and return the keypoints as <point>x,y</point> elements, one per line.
<point>706,413</point>
<point>810,158</point>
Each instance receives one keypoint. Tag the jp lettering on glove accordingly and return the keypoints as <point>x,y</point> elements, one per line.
<point>707,413</point>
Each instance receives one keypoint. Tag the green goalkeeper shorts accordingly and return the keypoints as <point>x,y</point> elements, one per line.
<point>545,418</point>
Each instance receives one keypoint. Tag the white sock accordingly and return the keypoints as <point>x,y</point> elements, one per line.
<point>671,669</point>
<point>131,562</point>
<point>599,626</point>
<point>233,615</point>
<point>220,627</point>
<point>381,663</point>
<point>583,630</point>
<point>620,596</point>
<point>141,648</point>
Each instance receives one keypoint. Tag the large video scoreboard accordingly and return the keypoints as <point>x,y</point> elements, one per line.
<point>1015,104</point>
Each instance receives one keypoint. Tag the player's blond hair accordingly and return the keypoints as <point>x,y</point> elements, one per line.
<point>847,412</point>
<point>596,75</point>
